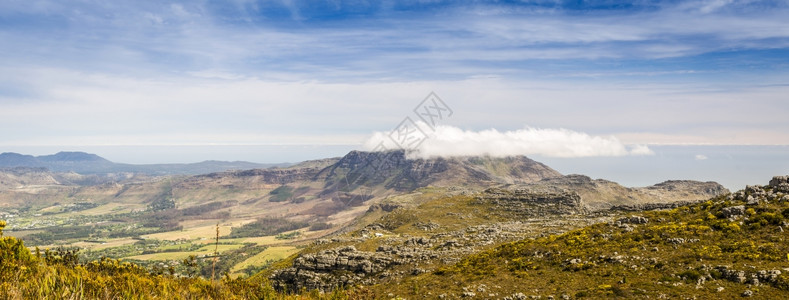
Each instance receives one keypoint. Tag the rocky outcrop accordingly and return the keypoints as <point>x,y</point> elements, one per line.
<point>709,188</point>
<point>777,190</point>
<point>270,176</point>
<point>603,195</point>
<point>733,211</point>
<point>329,269</point>
<point>395,257</point>
<point>651,206</point>
<point>633,220</point>
<point>529,203</point>
<point>754,278</point>
<point>780,184</point>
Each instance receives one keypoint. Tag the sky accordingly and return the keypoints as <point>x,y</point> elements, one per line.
<point>287,80</point>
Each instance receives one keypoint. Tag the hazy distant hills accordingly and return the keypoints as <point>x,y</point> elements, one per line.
<point>86,163</point>
<point>318,188</point>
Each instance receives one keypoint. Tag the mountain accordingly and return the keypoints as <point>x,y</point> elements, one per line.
<point>336,184</point>
<point>601,194</point>
<point>377,219</point>
<point>10,159</point>
<point>86,163</point>
<point>394,170</point>
<point>349,181</point>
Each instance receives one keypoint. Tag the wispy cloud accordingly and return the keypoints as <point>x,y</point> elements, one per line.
<point>255,40</point>
<point>259,71</point>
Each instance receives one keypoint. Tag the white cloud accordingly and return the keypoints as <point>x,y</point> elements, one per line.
<point>700,157</point>
<point>229,108</point>
<point>448,141</point>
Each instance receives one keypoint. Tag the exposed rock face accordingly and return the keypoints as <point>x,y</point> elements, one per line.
<point>396,256</point>
<point>733,211</point>
<point>633,220</point>
<point>271,176</point>
<point>755,278</point>
<point>599,195</point>
<point>780,184</point>
<point>705,188</point>
<point>396,171</point>
<point>777,190</point>
<point>528,203</point>
<point>650,206</point>
<point>329,269</point>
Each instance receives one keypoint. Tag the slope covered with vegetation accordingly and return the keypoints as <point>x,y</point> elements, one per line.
<point>727,247</point>
<point>60,275</point>
<point>730,246</point>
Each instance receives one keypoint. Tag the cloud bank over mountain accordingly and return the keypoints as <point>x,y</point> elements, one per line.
<point>447,141</point>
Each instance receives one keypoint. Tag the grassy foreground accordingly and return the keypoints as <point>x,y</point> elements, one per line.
<point>707,251</point>
<point>728,247</point>
<point>59,275</point>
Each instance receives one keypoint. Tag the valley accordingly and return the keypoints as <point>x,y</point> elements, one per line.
<point>446,209</point>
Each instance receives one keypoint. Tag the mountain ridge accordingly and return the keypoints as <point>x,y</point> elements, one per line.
<point>89,164</point>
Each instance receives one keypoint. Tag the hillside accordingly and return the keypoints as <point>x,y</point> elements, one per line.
<point>728,247</point>
<point>432,229</point>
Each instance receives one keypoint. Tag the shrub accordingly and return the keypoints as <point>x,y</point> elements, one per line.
<point>319,226</point>
<point>281,194</point>
<point>266,226</point>
<point>690,275</point>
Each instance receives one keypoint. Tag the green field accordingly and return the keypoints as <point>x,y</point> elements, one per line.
<point>272,254</point>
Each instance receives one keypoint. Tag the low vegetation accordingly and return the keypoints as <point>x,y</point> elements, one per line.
<point>706,250</point>
<point>60,275</point>
<point>728,247</point>
<point>266,226</point>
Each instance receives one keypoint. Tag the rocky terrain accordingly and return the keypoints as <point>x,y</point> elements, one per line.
<point>730,246</point>
<point>600,194</point>
<point>419,244</point>
<point>410,241</point>
<point>384,218</point>
<point>333,190</point>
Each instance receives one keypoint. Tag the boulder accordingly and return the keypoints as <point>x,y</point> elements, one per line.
<point>733,211</point>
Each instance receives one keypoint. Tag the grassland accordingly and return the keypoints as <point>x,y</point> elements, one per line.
<point>265,258</point>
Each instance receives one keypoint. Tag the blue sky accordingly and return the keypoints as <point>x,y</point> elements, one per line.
<point>81,74</point>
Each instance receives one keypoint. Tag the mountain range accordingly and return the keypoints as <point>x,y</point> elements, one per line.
<point>320,188</point>
<point>369,218</point>
<point>86,163</point>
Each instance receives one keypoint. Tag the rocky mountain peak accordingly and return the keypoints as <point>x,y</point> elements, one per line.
<point>394,170</point>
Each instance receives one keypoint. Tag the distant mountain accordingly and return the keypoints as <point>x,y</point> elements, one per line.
<point>393,170</point>
<point>325,187</point>
<point>362,175</point>
<point>10,159</point>
<point>86,163</point>
<point>600,194</point>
